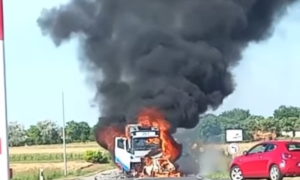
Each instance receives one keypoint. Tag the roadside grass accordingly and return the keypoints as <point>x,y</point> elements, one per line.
<point>218,175</point>
<point>44,157</point>
<point>58,173</point>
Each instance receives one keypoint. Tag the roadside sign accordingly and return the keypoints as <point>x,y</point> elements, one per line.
<point>234,135</point>
<point>233,148</point>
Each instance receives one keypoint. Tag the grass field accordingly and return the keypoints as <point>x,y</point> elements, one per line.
<point>71,148</point>
<point>51,153</point>
<point>26,161</point>
<point>82,147</point>
<point>75,152</point>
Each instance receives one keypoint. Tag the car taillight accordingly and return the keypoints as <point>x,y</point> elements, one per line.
<point>286,156</point>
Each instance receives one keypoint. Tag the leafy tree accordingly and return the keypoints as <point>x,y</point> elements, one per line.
<point>286,112</point>
<point>236,114</point>
<point>49,132</point>
<point>16,134</point>
<point>72,130</point>
<point>209,126</point>
<point>92,133</point>
<point>78,132</point>
<point>33,135</point>
<point>84,131</point>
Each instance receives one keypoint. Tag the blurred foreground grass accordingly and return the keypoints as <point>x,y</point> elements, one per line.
<point>58,173</point>
<point>219,175</point>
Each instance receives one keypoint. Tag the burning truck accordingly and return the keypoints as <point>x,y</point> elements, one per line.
<point>145,149</point>
<point>140,152</point>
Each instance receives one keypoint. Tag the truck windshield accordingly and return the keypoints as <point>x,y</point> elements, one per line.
<point>141,144</point>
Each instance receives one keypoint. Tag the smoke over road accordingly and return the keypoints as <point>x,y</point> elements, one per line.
<point>175,55</point>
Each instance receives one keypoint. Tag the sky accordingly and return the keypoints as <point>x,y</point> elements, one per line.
<point>37,72</point>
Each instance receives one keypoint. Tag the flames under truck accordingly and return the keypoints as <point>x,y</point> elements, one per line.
<point>130,150</point>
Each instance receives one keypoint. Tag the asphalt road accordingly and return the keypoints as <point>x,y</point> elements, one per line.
<point>182,178</point>
<point>112,174</point>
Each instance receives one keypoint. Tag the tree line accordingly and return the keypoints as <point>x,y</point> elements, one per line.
<point>211,127</point>
<point>256,127</point>
<point>49,132</point>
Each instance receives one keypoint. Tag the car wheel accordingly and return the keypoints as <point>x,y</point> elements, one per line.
<point>236,173</point>
<point>275,173</point>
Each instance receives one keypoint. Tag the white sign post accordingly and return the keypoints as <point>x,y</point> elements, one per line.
<point>233,148</point>
<point>234,135</point>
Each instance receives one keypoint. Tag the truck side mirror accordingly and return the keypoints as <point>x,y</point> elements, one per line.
<point>245,152</point>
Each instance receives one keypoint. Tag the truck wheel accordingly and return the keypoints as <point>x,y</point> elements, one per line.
<point>124,172</point>
<point>236,173</point>
<point>275,173</point>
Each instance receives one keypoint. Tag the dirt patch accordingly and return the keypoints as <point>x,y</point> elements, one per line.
<point>74,165</point>
<point>71,148</point>
<point>34,150</point>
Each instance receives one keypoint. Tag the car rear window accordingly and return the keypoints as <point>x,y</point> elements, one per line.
<point>293,146</point>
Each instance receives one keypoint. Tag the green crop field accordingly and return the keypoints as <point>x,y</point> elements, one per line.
<point>45,157</point>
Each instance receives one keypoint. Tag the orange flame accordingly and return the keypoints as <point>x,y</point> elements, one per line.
<point>107,136</point>
<point>153,140</point>
<point>171,150</point>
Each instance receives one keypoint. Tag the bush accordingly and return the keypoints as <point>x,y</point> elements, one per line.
<point>97,157</point>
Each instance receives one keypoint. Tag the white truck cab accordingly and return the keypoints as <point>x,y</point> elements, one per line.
<point>130,151</point>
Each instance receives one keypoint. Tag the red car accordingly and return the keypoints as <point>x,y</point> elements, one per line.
<point>273,160</point>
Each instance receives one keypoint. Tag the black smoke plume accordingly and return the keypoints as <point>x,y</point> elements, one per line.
<point>175,55</point>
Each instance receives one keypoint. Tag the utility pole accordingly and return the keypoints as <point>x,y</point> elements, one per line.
<point>4,152</point>
<point>64,134</point>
